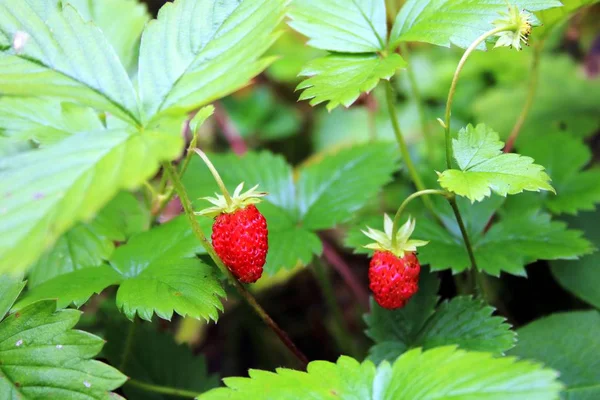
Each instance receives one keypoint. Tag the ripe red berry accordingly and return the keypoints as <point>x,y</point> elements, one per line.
<point>240,239</point>
<point>393,280</point>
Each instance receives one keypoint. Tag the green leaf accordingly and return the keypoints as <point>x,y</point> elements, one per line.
<point>45,121</point>
<point>219,52</point>
<point>42,356</point>
<point>157,272</point>
<point>74,287</point>
<point>88,245</point>
<point>121,21</point>
<point>51,61</point>
<point>441,373</point>
<point>569,343</point>
<point>156,359</point>
<point>453,22</point>
<point>356,26</point>
<point>340,79</point>
<point>574,111</point>
<point>162,275</point>
<point>581,277</point>
<point>45,192</point>
<point>319,200</point>
<point>463,321</point>
<point>484,168</point>
<point>332,190</point>
<point>565,157</point>
<point>10,287</point>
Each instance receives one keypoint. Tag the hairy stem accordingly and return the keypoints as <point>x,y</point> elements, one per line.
<point>215,175</point>
<point>128,344</point>
<point>189,212</point>
<point>170,391</point>
<point>403,147</point>
<point>531,91</point>
<point>452,90</point>
<point>341,334</point>
<point>413,196</point>
<point>417,96</point>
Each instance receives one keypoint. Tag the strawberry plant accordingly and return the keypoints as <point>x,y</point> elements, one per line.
<point>423,227</point>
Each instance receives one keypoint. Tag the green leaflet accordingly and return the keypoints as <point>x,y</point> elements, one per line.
<point>569,343</point>
<point>484,168</point>
<point>440,373</point>
<point>180,72</point>
<point>51,61</point>
<point>42,356</point>
<point>340,79</point>
<point>157,272</point>
<point>456,22</point>
<point>355,26</point>
<point>45,192</point>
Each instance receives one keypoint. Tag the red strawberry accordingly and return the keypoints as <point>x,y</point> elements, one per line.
<point>240,235</point>
<point>392,279</point>
<point>394,269</point>
<point>241,241</point>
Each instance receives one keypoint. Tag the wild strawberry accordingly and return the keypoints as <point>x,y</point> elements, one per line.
<point>240,235</point>
<point>394,268</point>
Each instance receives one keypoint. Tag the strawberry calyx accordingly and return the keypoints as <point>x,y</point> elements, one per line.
<point>228,205</point>
<point>403,243</point>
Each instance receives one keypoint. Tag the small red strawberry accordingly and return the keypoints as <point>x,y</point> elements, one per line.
<point>394,269</point>
<point>240,235</point>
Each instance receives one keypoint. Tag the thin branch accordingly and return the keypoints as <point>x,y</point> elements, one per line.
<point>170,391</point>
<point>230,132</point>
<point>337,262</point>
<point>187,207</point>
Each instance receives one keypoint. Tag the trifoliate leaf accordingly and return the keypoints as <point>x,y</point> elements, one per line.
<point>45,121</point>
<point>581,277</point>
<point>331,190</point>
<point>181,72</point>
<point>572,111</point>
<point>463,321</point>
<point>294,211</point>
<point>356,26</point>
<point>154,358</point>
<point>484,168</point>
<point>440,373</point>
<point>456,22</point>
<point>121,21</point>
<point>157,272</point>
<point>569,343</point>
<point>564,158</point>
<point>45,192</point>
<point>47,59</point>
<point>340,79</point>
<point>89,245</point>
<point>42,356</point>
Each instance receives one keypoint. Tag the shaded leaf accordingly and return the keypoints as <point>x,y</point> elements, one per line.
<point>10,287</point>
<point>569,343</point>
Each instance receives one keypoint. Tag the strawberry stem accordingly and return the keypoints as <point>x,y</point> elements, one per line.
<point>413,196</point>
<point>215,175</point>
<point>189,212</point>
